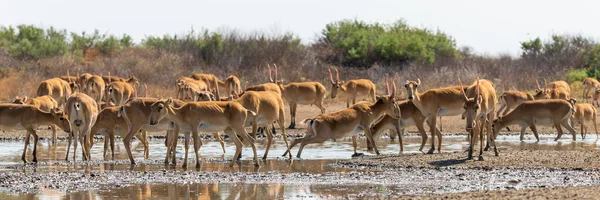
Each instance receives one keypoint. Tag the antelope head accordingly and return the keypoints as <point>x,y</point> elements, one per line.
<point>540,93</point>
<point>472,106</point>
<point>159,109</point>
<point>335,83</point>
<point>60,119</point>
<point>411,88</point>
<point>389,100</point>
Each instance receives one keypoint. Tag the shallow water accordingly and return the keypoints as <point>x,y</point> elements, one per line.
<point>316,159</point>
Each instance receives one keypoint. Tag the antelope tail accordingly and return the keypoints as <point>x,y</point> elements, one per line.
<point>251,113</point>
<point>307,120</point>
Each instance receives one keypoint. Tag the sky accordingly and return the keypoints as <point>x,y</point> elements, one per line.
<point>489,27</point>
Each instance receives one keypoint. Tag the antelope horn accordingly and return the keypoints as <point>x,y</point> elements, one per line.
<point>462,90</point>
<point>394,85</point>
<point>109,77</point>
<point>276,72</point>
<point>145,90</point>
<point>545,84</point>
<point>477,92</point>
<point>387,85</point>
<point>270,76</point>
<point>68,76</point>
<point>337,75</point>
<point>538,84</point>
<point>331,77</point>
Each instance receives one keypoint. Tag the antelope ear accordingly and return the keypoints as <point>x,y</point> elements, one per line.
<point>169,101</point>
<point>418,81</point>
<point>378,97</point>
<point>343,82</point>
<point>53,111</point>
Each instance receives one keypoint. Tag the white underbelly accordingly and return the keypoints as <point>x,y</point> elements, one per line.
<point>16,127</point>
<point>543,122</point>
<point>205,127</point>
<point>159,127</point>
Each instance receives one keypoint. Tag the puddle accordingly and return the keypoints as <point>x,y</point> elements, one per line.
<point>311,177</point>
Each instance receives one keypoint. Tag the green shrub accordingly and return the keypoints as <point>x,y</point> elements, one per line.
<point>359,43</point>
<point>29,42</point>
<point>576,75</point>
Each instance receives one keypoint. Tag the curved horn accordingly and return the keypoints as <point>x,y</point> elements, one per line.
<point>477,90</point>
<point>331,77</point>
<point>337,75</point>
<point>145,90</point>
<point>270,76</point>
<point>68,76</point>
<point>538,84</point>
<point>394,85</point>
<point>462,90</point>
<point>109,77</point>
<point>276,72</point>
<point>387,85</point>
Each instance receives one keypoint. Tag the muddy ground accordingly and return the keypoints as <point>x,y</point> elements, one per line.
<point>557,171</point>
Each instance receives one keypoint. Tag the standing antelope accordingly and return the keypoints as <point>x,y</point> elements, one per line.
<point>233,87</point>
<point>589,84</point>
<point>596,98</point>
<point>132,80</point>
<point>95,88</point>
<point>479,104</point>
<point>410,115</point>
<point>550,112</point>
<point>211,78</point>
<point>55,87</point>
<point>207,116</point>
<point>558,90</point>
<point>119,92</point>
<point>353,89</point>
<point>82,111</point>
<point>349,122</point>
<point>44,103</point>
<point>109,122</point>
<point>584,113</point>
<point>29,117</point>
<point>511,99</point>
<point>446,101</point>
<point>306,93</point>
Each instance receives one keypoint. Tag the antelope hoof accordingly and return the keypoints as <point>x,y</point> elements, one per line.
<point>357,154</point>
<point>256,164</point>
<point>487,148</point>
<point>292,126</point>
<point>431,151</point>
<point>34,160</point>
<point>264,158</point>
<point>470,157</point>
<point>480,158</point>
<point>197,165</point>
<point>184,166</point>
<point>497,154</point>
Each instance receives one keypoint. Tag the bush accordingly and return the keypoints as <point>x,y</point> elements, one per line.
<point>29,42</point>
<point>576,75</point>
<point>358,43</point>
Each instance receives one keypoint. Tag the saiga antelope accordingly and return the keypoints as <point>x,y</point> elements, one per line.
<point>353,89</point>
<point>44,103</point>
<point>479,104</point>
<point>269,108</point>
<point>306,93</point>
<point>231,85</point>
<point>207,116</point>
<point>511,99</point>
<point>446,101</point>
<point>95,88</point>
<point>596,98</point>
<point>82,111</point>
<point>132,80</point>
<point>55,87</point>
<point>109,122</point>
<point>559,90</point>
<point>29,117</point>
<point>119,92</point>
<point>410,115</point>
<point>589,84</point>
<point>584,113</point>
<point>349,122</point>
<point>550,112</point>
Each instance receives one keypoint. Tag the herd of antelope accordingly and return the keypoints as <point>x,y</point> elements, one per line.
<point>88,104</point>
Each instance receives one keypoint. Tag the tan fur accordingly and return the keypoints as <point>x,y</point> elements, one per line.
<point>589,84</point>
<point>211,78</point>
<point>57,88</point>
<point>446,101</point>
<point>132,80</point>
<point>596,98</point>
<point>232,86</point>
<point>269,108</point>
<point>532,113</point>
<point>410,116</point>
<point>559,84</point>
<point>95,88</point>
<point>479,103</point>
<point>119,92</point>
<point>45,103</point>
<point>559,93</point>
<point>82,111</point>
<point>188,88</point>
<point>110,122</point>
<point>353,89</point>
<point>136,114</point>
<point>82,80</point>
<point>584,113</point>
<point>511,99</point>
<point>29,117</point>
<point>349,122</point>
<point>209,116</point>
